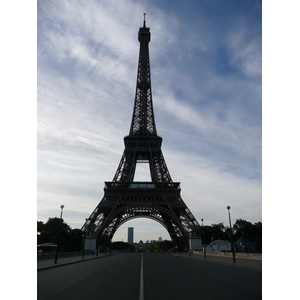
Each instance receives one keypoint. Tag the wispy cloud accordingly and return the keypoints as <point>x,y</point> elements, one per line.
<point>245,54</point>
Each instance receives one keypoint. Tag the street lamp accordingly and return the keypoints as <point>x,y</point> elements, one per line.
<point>62,207</point>
<point>203,239</point>
<point>228,207</point>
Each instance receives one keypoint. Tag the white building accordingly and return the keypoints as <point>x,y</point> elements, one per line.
<point>195,243</point>
<point>218,246</point>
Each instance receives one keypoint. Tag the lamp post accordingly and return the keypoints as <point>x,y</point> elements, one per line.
<point>203,239</point>
<point>62,207</point>
<point>228,207</point>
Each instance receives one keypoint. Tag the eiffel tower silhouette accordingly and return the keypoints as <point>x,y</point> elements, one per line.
<point>124,199</point>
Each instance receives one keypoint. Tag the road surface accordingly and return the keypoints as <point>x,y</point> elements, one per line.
<point>148,276</point>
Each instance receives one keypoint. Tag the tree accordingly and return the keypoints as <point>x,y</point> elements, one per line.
<point>122,246</point>
<point>253,232</point>
<point>215,232</point>
<point>243,227</point>
<point>167,245</point>
<point>75,240</point>
<point>70,240</point>
<point>40,227</point>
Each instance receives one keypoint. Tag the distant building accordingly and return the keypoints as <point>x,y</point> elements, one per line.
<point>244,244</point>
<point>160,239</point>
<point>130,235</point>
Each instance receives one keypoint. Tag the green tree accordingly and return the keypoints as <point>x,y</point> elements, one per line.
<point>75,240</point>
<point>70,240</point>
<point>215,232</point>
<point>243,227</point>
<point>40,227</point>
<point>253,232</point>
<point>167,245</point>
<point>122,246</point>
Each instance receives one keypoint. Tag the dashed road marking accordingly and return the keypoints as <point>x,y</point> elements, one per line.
<point>141,281</point>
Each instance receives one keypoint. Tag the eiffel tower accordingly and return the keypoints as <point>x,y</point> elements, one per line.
<point>124,199</point>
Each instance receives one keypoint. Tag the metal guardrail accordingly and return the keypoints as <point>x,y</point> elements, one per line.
<point>44,256</point>
<point>142,185</point>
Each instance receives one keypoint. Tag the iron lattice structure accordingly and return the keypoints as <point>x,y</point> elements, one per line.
<point>124,199</point>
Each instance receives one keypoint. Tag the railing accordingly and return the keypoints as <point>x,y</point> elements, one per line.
<point>44,256</point>
<point>142,185</point>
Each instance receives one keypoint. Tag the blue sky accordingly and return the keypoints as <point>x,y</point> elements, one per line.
<point>206,72</point>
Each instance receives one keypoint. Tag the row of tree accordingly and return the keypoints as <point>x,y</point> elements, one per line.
<point>72,239</point>
<point>252,232</point>
<point>69,239</point>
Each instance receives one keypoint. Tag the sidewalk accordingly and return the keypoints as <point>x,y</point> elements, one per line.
<point>49,263</point>
<point>239,262</point>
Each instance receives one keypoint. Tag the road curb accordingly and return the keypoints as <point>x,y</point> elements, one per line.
<point>222,263</point>
<point>234,265</point>
<point>71,262</point>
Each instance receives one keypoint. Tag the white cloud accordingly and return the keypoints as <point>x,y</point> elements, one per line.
<point>246,53</point>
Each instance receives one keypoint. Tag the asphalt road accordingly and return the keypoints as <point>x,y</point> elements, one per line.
<point>148,276</point>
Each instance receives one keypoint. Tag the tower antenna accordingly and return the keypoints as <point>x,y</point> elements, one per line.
<point>144,19</point>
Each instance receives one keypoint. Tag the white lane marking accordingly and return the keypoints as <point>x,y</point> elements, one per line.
<point>141,281</point>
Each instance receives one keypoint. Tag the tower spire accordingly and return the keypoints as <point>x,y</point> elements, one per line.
<point>143,123</point>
